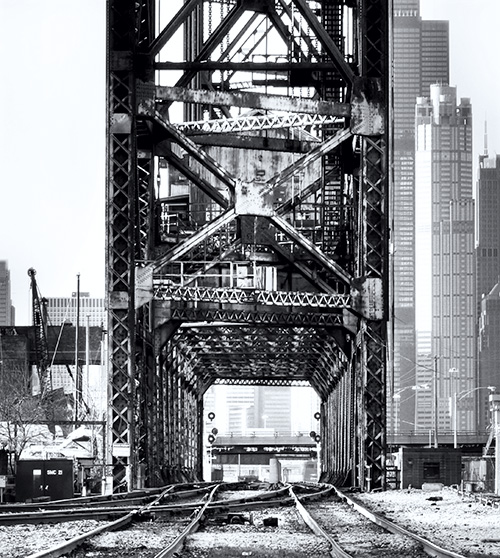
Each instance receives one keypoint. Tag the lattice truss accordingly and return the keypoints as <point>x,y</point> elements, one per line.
<point>262,356</point>
<point>247,213</point>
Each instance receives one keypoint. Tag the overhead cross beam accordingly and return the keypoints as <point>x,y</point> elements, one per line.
<point>253,100</point>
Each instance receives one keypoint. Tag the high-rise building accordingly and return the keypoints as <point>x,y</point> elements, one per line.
<point>488,276</point>
<point>488,224</point>
<point>445,246</point>
<point>424,387</point>
<point>7,312</point>
<point>86,311</point>
<point>85,308</point>
<point>421,58</point>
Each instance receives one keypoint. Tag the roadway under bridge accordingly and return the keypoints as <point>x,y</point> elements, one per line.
<point>247,222</point>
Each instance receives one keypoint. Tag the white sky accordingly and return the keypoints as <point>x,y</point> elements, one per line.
<point>52,146</point>
<point>52,131</point>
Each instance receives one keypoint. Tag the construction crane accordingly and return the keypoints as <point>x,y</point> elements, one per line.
<point>39,312</point>
<point>56,404</point>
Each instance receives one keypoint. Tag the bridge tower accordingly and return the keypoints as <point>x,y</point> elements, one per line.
<point>247,221</point>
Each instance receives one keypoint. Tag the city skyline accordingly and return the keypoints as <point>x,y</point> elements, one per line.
<point>56,189</point>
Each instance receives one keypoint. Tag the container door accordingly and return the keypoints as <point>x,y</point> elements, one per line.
<point>37,483</point>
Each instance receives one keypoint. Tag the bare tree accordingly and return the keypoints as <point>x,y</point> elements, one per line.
<point>22,415</point>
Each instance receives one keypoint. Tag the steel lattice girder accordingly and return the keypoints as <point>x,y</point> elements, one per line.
<point>280,355</point>
<point>140,131</point>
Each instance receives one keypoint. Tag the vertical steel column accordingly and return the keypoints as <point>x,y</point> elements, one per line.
<point>374,17</point>
<point>147,453</point>
<point>128,201</point>
<point>120,188</point>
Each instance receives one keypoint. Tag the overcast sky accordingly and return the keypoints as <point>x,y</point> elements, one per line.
<point>52,131</point>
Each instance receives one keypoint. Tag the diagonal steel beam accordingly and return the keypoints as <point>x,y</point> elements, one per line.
<point>328,44</point>
<point>303,35</point>
<point>299,197</point>
<point>215,39</point>
<point>195,239</point>
<point>173,25</point>
<point>306,160</point>
<point>283,31</point>
<point>300,267</point>
<point>248,29</point>
<point>195,178</point>
<point>311,248</point>
<point>191,148</point>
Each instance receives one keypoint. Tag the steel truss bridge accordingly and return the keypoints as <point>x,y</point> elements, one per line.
<point>247,222</point>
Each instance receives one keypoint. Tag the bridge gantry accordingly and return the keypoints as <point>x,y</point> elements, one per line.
<point>247,221</point>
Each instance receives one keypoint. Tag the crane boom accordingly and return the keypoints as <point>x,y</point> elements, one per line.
<point>39,312</point>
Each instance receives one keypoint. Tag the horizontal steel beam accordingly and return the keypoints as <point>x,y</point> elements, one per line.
<point>328,302</point>
<point>261,143</point>
<point>291,319</point>
<point>253,100</point>
<point>214,65</point>
<point>258,122</point>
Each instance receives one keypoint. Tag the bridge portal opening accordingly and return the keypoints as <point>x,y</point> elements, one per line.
<point>261,433</point>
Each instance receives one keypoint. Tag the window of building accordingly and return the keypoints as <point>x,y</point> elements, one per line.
<point>432,471</point>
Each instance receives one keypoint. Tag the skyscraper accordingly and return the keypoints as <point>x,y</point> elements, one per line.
<point>421,58</point>
<point>488,276</point>
<point>7,312</point>
<point>488,224</point>
<point>444,244</point>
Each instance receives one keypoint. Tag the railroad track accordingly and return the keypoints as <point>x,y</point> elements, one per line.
<point>227,520</point>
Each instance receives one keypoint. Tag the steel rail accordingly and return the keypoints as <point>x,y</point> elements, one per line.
<point>208,507</point>
<point>178,543</point>
<point>429,547</point>
<point>335,550</point>
<point>127,500</point>
<point>282,496</point>
<point>67,546</point>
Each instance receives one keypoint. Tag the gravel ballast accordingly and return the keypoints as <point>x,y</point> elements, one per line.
<point>445,517</point>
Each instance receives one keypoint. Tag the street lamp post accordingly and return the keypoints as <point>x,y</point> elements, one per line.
<point>456,399</point>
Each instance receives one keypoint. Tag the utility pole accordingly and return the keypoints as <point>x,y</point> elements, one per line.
<point>78,378</point>
<point>435,402</point>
